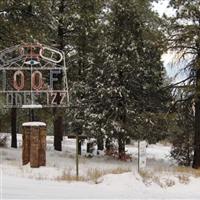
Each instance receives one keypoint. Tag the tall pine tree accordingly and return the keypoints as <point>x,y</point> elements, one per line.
<point>184,37</point>
<point>126,93</point>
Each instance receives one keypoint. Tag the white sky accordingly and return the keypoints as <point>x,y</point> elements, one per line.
<point>162,7</point>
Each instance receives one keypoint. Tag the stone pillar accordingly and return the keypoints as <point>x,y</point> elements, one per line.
<point>42,149</point>
<point>26,145</point>
<point>34,144</point>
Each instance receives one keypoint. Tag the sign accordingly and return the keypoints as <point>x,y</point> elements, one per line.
<point>33,75</point>
<point>142,157</point>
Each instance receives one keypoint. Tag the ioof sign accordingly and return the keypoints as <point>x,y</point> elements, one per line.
<point>33,74</point>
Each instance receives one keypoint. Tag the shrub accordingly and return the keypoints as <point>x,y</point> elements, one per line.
<point>3,139</point>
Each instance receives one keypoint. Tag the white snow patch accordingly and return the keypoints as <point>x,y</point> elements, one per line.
<point>125,186</point>
<point>34,124</point>
<point>32,106</point>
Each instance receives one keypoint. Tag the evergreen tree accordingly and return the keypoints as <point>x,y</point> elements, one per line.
<point>185,38</point>
<point>182,127</point>
<point>126,92</point>
<point>84,43</point>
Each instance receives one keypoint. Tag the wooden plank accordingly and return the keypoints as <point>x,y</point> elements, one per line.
<point>42,148</point>
<point>34,147</point>
<point>25,145</point>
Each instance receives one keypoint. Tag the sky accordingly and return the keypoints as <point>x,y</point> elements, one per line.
<point>162,7</point>
<point>174,70</point>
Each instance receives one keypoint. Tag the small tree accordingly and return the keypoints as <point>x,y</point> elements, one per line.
<point>182,137</point>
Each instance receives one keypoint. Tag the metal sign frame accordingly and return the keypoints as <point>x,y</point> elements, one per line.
<point>33,76</point>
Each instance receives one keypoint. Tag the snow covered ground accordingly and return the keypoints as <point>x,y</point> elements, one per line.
<point>101,176</point>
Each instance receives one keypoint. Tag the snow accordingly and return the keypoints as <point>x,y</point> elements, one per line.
<point>162,181</point>
<point>34,124</point>
<point>126,185</point>
<point>32,106</point>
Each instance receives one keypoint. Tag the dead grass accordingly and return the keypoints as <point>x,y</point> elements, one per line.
<point>93,175</point>
<point>168,183</point>
<point>165,143</point>
<point>3,153</point>
<point>187,171</point>
<point>148,178</point>
<point>68,176</point>
<point>71,156</point>
<point>120,170</point>
<point>10,159</point>
<point>183,179</point>
<point>83,160</point>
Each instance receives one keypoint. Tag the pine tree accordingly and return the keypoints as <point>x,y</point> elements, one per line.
<point>184,37</point>
<point>181,127</point>
<point>83,40</point>
<point>126,92</point>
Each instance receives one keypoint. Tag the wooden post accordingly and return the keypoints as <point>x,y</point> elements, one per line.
<point>79,146</point>
<point>138,156</point>
<point>77,170</point>
<point>77,137</point>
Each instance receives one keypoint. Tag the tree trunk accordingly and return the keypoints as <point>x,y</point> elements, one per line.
<point>121,144</point>
<point>188,150</point>
<point>31,115</point>
<point>79,147</point>
<point>128,140</point>
<point>88,149</point>
<point>196,160</point>
<point>108,144</point>
<point>100,144</point>
<point>14,127</point>
<point>58,133</point>
<point>58,121</point>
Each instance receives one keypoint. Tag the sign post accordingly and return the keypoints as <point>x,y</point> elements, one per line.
<point>77,161</point>
<point>142,155</point>
<point>77,137</point>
